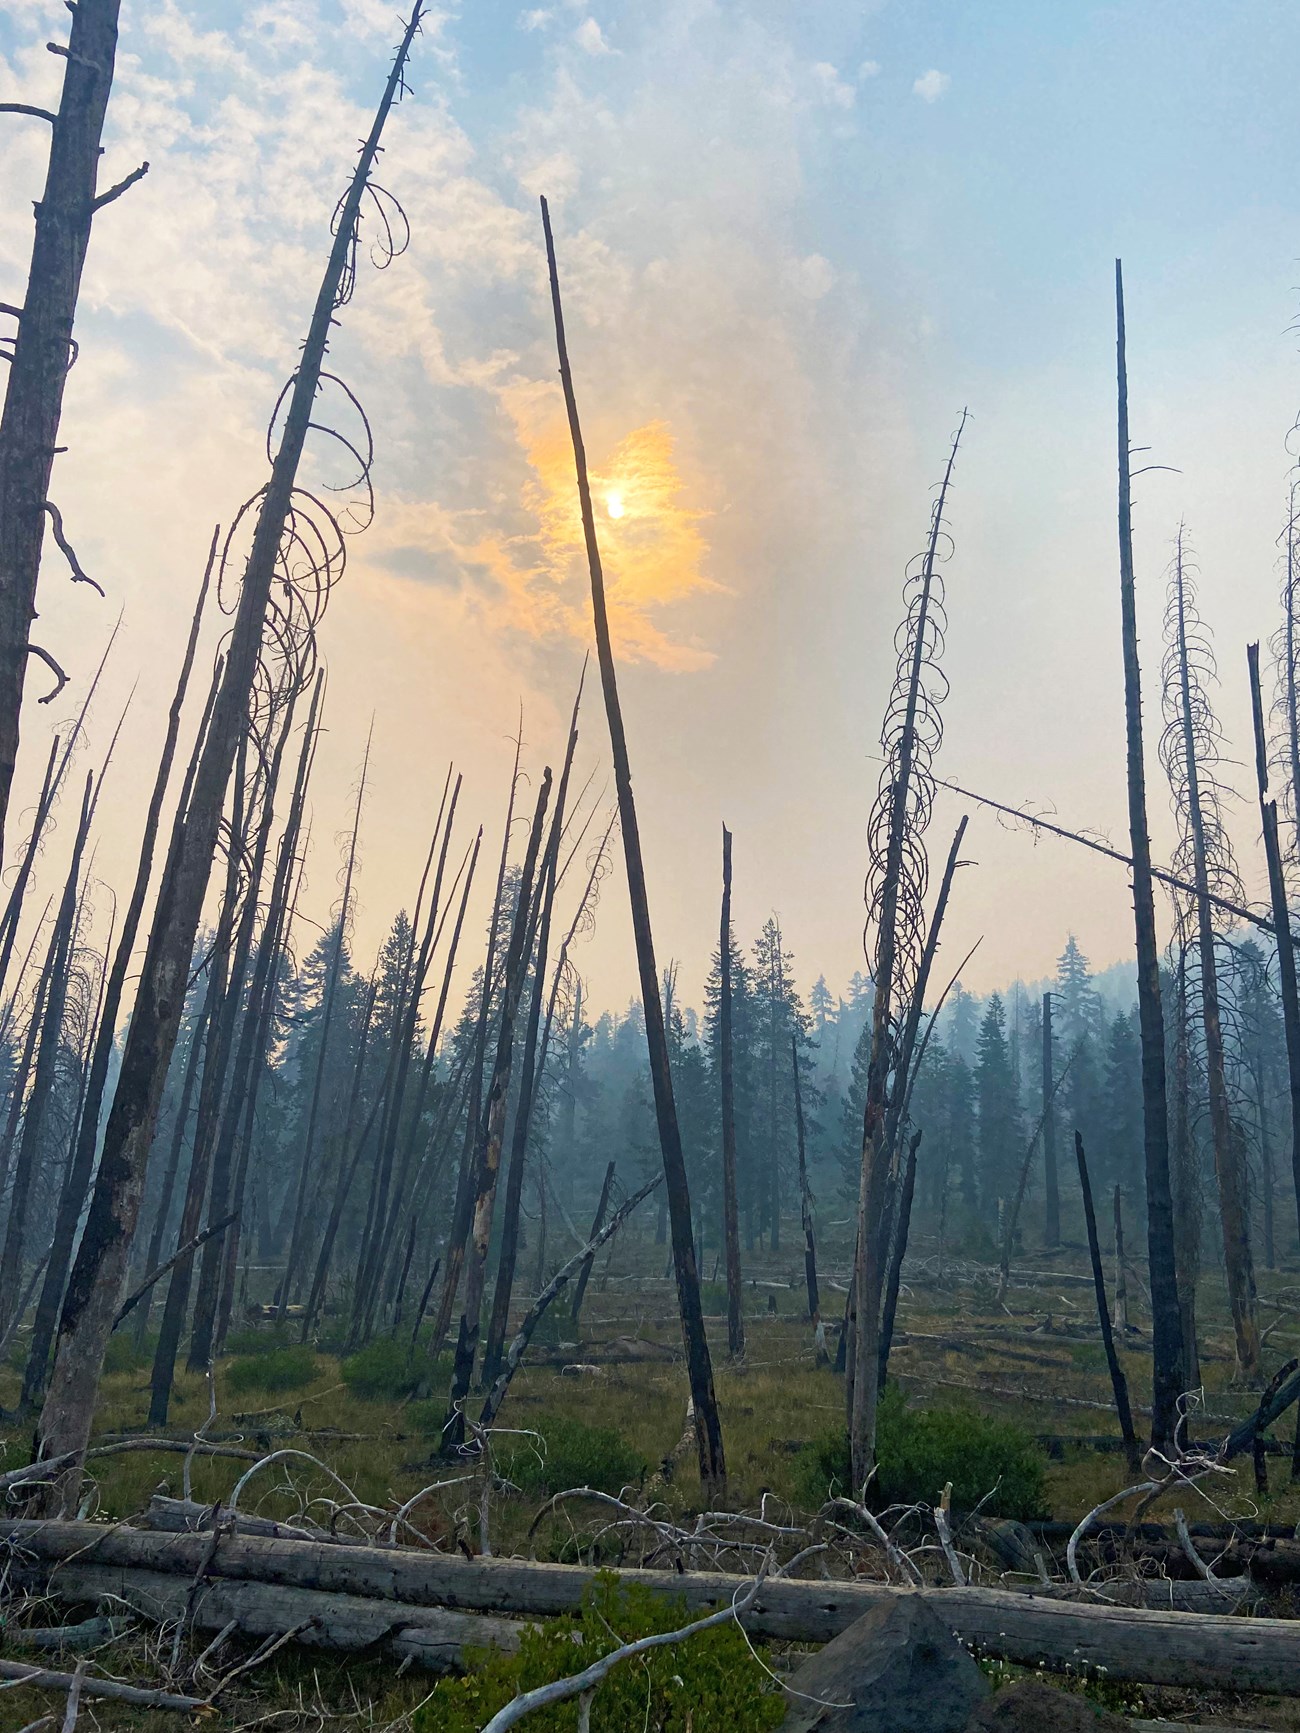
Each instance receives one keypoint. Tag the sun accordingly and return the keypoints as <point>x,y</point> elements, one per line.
<point>614,504</point>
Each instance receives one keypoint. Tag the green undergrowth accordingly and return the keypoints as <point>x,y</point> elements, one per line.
<point>991,1463</point>
<point>280,1369</point>
<point>566,1452</point>
<point>711,1683</point>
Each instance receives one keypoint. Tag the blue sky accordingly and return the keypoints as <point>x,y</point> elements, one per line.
<point>796,239</point>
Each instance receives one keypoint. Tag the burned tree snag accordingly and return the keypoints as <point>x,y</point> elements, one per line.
<point>1119,1383</point>
<point>726,1069</point>
<point>1168,1378</point>
<point>1051,1188</point>
<point>33,405</point>
<point>1286,968</point>
<point>95,1287</point>
<point>708,1426</point>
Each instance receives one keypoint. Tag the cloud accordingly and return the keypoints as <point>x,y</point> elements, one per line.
<point>931,85</point>
<point>590,38</point>
<point>813,276</point>
<point>534,582</point>
<point>833,88</point>
<point>536,19</point>
<point>868,69</point>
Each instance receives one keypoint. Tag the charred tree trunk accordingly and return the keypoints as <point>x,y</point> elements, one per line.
<point>1186,1180</point>
<point>806,1214</point>
<point>43,348</point>
<point>211,1089</point>
<point>598,1221</point>
<point>385,1202</point>
<point>1051,1188</point>
<point>462,1209</point>
<point>898,1251</point>
<point>488,1165</point>
<point>87,1140</point>
<point>253,1039</point>
<point>1168,1376</point>
<point>726,1070</point>
<point>1286,965</point>
<point>38,1100</point>
<point>307,1156</point>
<point>1119,1383</point>
<point>529,1076</point>
<point>95,1288</point>
<point>1229,1164</point>
<point>708,1427</point>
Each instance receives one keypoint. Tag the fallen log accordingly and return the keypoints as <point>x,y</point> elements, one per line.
<point>185,1516</point>
<point>1028,1629</point>
<point>44,1679</point>
<point>428,1637</point>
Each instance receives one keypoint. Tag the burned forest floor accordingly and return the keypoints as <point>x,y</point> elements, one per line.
<point>603,1406</point>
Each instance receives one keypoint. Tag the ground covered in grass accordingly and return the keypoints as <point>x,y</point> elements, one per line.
<point>999,1400</point>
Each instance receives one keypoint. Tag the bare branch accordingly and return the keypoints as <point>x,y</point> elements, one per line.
<point>66,548</point>
<point>115,192</point>
<point>53,666</point>
<point>27,108</point>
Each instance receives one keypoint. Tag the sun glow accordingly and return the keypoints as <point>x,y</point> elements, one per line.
<point>614,504</point>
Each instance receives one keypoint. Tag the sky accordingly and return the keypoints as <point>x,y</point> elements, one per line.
<point>795,241</point>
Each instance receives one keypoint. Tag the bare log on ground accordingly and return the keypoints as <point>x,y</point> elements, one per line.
<point>1158,1648</point>
<point>429,1637</point>
<point>44,1679</point>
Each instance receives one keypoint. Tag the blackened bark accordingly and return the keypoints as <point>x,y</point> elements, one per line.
<point>254,1036</point>
<point>494,1345</point>
<point>95,1287</point>
<point>598,1221</point>
<point>898,1251</point>
<point>1168,1375</point>
<point>727,1081</point>
<point>47,1052</point>
<point>307,1155</point>
<point>42,352</point>
<point>1286,965</point>
<point>708,1426</point>
<point>1051,1188</point>
<point>1119,1383</point>
<point>488,1164</point>
<point>806,1212</point>
<point>73,1199</point>
<point>1229,1162</point>
<point>463,1206</point>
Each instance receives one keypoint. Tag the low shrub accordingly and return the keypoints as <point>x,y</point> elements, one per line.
<point>712,1683</point>
<point>387,1370</point>
<point>257,1340</point>
<point>572,1454</point>
<point>124,1353</point>
<point>281,1369</point>
<point>919,1450</point>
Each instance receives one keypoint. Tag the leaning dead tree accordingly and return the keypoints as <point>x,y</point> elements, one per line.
<point>299,542</point>
<point>897,879</point>
<point>43,349</point>
<point>1277,887</point>
<point>1191,752</point>
<point>1168,1380</point>
<point>708,1426</point>
<point>1285,645</point>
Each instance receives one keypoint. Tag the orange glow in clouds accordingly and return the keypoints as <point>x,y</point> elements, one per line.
<point>652,548</point>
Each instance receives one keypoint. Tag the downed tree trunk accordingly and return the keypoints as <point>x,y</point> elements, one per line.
<point>424,1637</point>
<point>1027,1629</point>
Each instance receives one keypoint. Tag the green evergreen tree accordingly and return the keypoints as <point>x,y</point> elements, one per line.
<point>1000,1141</point>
